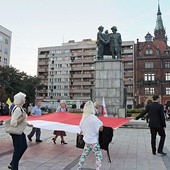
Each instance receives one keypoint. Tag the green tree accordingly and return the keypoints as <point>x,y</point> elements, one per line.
<point>13,81</point>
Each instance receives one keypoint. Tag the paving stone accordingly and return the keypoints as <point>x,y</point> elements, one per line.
<point>129,150</point>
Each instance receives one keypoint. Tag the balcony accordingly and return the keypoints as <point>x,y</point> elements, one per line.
<point>129,90</point>
<point>127,75</point>
<point>128,82</point>
<point>127,59</point>
<point>43,63</point>
<point>81,68</point>
<point>81,76</point>
<point>80,61</point>
<point>127,51</point>
<point>128,67</point>
<point>81,83</point>
<point>43,56</point>
<point>85,53</point>
<point>79,91</point>
<point>42,70</point>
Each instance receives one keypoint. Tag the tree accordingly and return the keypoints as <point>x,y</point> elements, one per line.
<point>13,81</point>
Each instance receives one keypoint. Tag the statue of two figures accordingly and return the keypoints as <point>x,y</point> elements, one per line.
<point>109,43</point>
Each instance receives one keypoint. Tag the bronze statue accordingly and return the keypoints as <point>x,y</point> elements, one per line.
<point>100,42</point>
<point>109,44</point>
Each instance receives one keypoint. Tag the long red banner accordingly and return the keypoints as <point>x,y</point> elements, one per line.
<point>74,119</point>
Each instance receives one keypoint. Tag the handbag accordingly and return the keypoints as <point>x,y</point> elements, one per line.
<point>17,130</point>
<point>12,129</point>
<point>79,141</point>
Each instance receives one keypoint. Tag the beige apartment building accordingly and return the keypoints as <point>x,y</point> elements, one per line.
<point>53,70</point>
<point>82,70</point>
<point>5,46</point>
<point>128,60</point>
<point>67,71</point>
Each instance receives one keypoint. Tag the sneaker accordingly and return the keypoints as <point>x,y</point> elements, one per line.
<point>39,140</point>
<point>162,153</point>
<point>29,139</point>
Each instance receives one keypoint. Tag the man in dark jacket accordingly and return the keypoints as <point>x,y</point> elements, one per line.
<point>156,123</point>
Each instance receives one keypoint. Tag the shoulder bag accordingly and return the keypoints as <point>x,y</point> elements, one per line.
<point>17,130</point>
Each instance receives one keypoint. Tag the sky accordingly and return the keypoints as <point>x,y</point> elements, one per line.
<point>45,23</point>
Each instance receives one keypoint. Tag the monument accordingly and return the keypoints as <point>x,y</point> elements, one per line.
<point>109,44</point>
<point>109,73</point>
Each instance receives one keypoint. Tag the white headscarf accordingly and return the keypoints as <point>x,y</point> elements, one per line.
<point>19,99</point>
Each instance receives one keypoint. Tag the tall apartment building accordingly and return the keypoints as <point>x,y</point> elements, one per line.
<point>128,60</point>
<point>53,71</point>
<point>153,65</point>
<point>5,46</point>
<point>82,70</point>
<point>66,72</point>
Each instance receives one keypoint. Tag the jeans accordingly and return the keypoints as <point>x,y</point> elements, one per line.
<point>37,131</point>
<point>20,146</point>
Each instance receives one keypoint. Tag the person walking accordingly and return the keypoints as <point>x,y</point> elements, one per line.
<point>90,126</point>
<point>157,123</point>
<point>36,111</point>
<point>18,120</point>
<point>61,108</point>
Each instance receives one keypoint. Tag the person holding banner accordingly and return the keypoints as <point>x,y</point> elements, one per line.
<point>18,121</point>
<point>61,108</point>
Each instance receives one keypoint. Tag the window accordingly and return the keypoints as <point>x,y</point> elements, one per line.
<point>58,65</point>
<point>148,64</point>
<point>167,64</point>
<point>167,91</point>
<point>6,41</point>
<point>149,51</point>
<point>5,51</point>
<point>65,79</point>
<point>5,60</point>
<point>65,87</point>
<point>57,79</point>
<point>149,77</point>
<point>149,91</point>
<point>1,38</point>
<point>58,87</point>
<point>167,76</point>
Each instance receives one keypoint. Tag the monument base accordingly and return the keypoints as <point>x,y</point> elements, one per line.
<point>109,75</point>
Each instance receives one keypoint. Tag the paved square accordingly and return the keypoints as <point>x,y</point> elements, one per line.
<point>129,150</point>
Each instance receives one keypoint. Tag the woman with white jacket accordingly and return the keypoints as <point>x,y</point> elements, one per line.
<point>90,126</point>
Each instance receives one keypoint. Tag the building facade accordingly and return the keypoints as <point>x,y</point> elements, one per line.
<point>66,72</point>
<point>128,61</point>
<point>53,71</point>
<point>152,62</point>
<point>5,46</point>
<point>82,70</point>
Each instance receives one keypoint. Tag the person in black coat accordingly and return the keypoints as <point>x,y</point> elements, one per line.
<point>156,123</point>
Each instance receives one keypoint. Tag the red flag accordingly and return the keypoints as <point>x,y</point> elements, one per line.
<point>104,111</point>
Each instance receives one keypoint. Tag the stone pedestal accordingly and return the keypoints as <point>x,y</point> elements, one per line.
<point>109,75</point>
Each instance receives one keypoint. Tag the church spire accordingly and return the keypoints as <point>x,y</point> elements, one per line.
<point>159,29</point>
